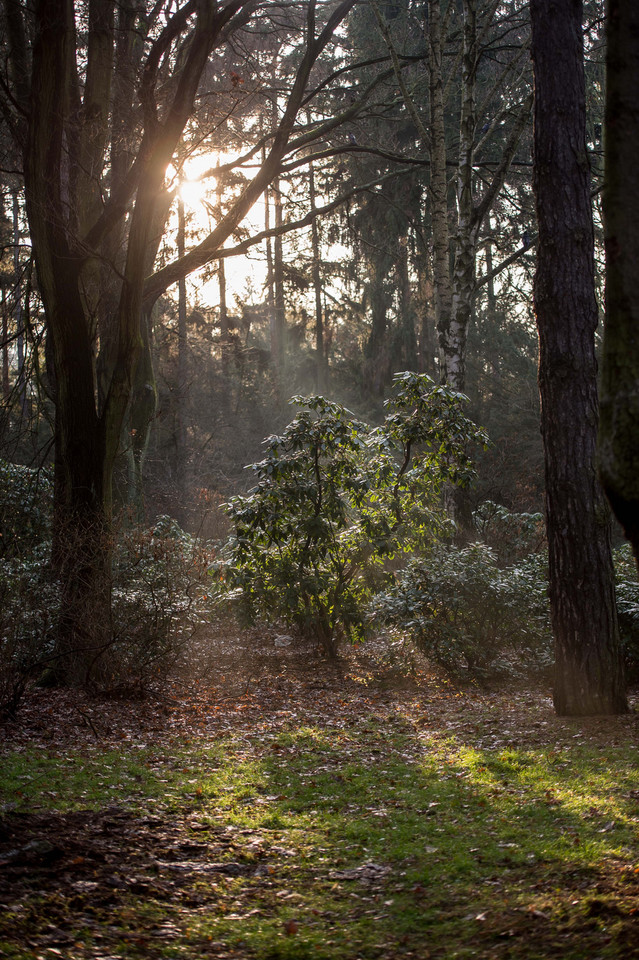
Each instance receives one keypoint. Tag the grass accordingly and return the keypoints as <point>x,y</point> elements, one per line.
<point>356,839</point>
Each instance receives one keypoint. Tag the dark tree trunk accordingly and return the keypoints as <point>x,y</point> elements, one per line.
<point>5,349</point>
<point>589,671</point>
<point>618,438</point>
<point>407,355</point>
<point>376,349</point>
<point>182,374</point>
<point>19,319</point>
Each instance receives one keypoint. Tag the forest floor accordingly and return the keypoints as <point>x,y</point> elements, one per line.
<point>289,808</point>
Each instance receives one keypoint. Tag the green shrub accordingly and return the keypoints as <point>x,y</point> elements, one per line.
<point>469,615</point>
<point>470,612</point>
<point>334,498</point>
<point>26,499</point>
<point>513,536</point>
<point>160,602</point>
<point>29,606</point>
<point>628,608</point>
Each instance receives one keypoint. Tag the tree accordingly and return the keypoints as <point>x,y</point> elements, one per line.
<point>100,104</point>
<point>618,446</point>
<point>589,672</point>
<point>333,498</point>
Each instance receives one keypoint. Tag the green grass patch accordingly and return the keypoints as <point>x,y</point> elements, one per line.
<point>351,841</point>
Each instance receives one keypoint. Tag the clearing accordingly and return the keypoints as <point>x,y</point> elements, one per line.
<point>294,809</point>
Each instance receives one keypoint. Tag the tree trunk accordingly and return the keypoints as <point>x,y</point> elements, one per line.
<point>182,374</point>
<point>377,351</point>
<point>589,671</point>
<point>19,320</point>
<point>406,355</point>
<point>455,332</point>
<point>427,317</point>
<point>278,283</point>
<point>5,349</point>
<point>618,442</point>
<point>438,181</point>
<point>321,365</point>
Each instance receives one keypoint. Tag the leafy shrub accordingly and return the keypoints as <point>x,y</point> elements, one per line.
<point>628,608</point>
<point>29,606</point>
<point>160,601</point>
<point>513,536</point>
<point>333,498</point>
<point>26,498</point>
<point>467,614</point>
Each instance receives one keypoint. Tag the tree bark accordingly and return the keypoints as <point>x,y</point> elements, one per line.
<point>321,363</point>
<point>18,317</point>
<point>589,670</point>
<point>278,284</point>
<point>618,443</point>
<point>438,180</point>
<point>182,355</point>
<point>455,333</point>
<point>5,349</point>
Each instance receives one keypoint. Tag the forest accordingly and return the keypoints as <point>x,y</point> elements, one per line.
<point>319,479</point>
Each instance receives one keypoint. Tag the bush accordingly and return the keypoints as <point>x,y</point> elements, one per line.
<point>513,536</point>
<point>161,600</point>
<point>471,613</point>
<point>26,498</point>
<point>471,616</point>
<point>628,608</point>
<point>29,607</point>
<point>335,498</point>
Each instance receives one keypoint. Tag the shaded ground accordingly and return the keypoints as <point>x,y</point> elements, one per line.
<point>146,874</point>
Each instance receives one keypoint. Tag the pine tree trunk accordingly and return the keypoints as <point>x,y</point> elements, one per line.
<point>588,672</point>
<point>618,440</point>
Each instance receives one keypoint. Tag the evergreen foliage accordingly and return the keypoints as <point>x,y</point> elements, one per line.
<point>334,498</point>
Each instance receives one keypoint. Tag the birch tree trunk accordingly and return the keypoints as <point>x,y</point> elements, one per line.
<point>438,182</point>
<point>455,331</point>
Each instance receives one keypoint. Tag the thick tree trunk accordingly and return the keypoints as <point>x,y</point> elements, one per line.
<point>618,439</point>
<point>589,672</point>
<point>18,318</point>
